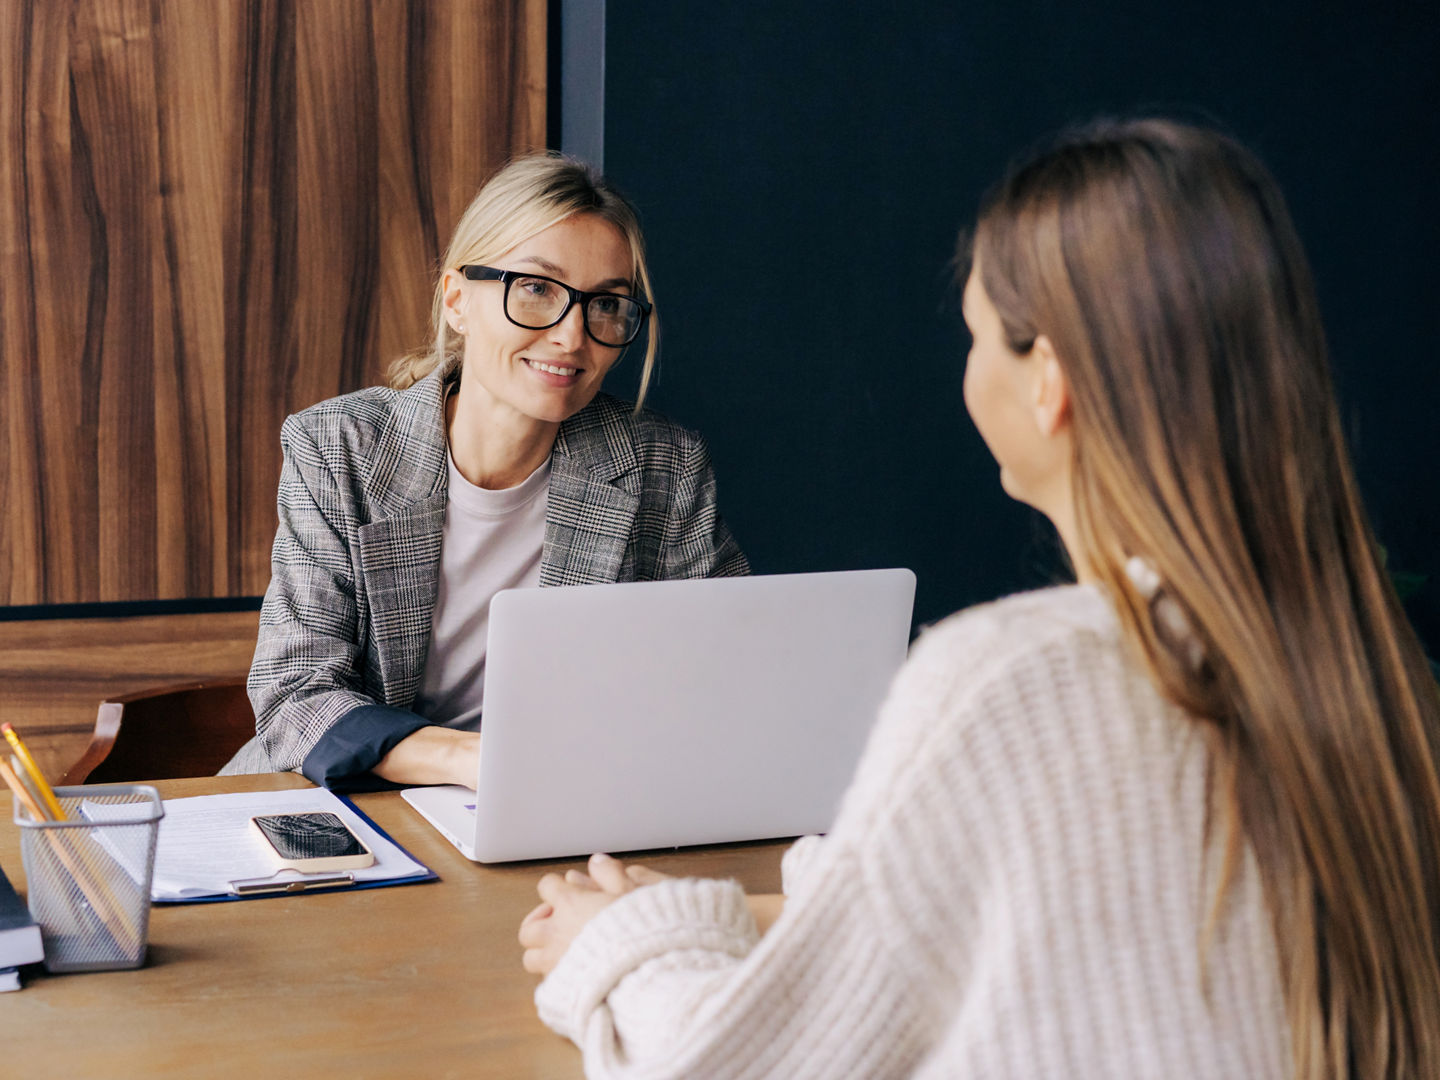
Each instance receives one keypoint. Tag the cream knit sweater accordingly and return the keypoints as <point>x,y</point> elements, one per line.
<point>1014,887</point>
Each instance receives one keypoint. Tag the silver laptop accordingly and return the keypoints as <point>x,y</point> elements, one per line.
<point>661,714</point>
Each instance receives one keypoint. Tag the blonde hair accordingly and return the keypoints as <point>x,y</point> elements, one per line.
<point>1161,262</point>
<point>526,197</point>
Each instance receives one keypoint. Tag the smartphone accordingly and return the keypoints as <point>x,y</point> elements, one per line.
<point>312,842</point>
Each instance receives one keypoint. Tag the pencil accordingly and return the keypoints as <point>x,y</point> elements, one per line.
<point>77,843</point>
<point>30,776</point>
<point>120,930</point>
<point>27,781</point>
<point>46,795</point>
<point>23,793</point>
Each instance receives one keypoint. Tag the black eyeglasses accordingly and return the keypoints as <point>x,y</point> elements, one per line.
<point>536,302</point>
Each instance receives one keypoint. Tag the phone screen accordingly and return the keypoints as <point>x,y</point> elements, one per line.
<point>309,836</point>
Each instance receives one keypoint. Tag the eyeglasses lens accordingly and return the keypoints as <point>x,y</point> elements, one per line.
<point>614,320</point>
<point>537,302</point>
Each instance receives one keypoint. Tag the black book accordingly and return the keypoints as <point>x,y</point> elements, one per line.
<point>19,936</point>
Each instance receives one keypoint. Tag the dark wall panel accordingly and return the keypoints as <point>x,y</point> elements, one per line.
<point>803,171</point>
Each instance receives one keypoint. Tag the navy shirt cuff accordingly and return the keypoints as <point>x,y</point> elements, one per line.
<point>345,754</point>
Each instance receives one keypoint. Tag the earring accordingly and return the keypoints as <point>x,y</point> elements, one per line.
<point>460,328</point>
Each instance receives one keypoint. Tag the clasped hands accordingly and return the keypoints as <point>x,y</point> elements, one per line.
<point>569,902</point>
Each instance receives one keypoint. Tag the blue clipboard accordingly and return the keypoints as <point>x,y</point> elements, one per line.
<point>315,883</point>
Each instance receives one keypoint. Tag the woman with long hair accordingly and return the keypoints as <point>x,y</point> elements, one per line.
<point>1179,819</point>
<point>492,461</point>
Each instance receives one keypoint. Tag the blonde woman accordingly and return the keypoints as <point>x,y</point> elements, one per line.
<point>493,461</point>
<point>1179,820</point>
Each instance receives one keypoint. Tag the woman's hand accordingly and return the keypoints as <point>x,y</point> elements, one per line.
<point>570,902</point>
<point>433,755</point>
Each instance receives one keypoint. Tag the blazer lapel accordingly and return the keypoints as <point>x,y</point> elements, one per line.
<point>408,461</point>
<point>591,513</point>
<point>400,558</point>
<point>400,548</point>
<point>593,501</point>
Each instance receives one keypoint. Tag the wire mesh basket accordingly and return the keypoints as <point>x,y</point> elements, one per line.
<point>88,876</point>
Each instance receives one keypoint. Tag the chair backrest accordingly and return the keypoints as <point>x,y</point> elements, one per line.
<point>187,730</point>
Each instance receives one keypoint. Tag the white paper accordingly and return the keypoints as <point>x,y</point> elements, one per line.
<point>206,842</point>
<point>128,847</point>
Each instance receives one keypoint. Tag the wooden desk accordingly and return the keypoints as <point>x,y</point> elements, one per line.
<point>415,980</point>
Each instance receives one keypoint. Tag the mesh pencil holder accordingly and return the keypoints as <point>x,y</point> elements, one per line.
<point>88,876</point>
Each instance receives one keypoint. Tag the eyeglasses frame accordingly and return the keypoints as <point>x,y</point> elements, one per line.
<point>475,272</point>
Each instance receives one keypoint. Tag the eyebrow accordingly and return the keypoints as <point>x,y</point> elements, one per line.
<point>551,268</point>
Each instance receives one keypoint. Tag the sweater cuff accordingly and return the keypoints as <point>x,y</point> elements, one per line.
<point>354,744</point>
<point>683,913</point>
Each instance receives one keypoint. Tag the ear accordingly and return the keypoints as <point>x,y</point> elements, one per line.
<point>1050,388</point>
<point>452,295</point>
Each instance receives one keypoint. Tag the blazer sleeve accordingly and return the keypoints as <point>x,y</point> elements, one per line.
<point>308,666</point>
<point>698,543</point>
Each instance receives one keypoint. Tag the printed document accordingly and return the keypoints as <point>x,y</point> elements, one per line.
<point>206,842</point>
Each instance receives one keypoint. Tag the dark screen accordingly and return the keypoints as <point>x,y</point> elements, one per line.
<point>309,836</point>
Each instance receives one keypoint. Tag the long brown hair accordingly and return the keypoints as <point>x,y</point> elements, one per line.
<point>1161,262</point>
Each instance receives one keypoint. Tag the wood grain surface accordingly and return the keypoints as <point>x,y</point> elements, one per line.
<point>412,981</point>
<point>55,672</point>
<point>211,215</point>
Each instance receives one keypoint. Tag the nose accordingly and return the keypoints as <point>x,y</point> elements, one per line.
<point>569,332</point>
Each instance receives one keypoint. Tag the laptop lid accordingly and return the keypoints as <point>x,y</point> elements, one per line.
<point>657,714</point>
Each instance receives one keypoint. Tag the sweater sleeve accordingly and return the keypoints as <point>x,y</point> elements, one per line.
<point>669,981</point>
<point>798,859</point>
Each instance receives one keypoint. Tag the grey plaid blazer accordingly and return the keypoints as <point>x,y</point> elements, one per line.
<point>356,562</point>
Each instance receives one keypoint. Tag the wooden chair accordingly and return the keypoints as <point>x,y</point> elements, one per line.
<point>186,730</point>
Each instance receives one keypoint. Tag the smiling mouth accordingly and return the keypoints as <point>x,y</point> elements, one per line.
<point>553,369</point>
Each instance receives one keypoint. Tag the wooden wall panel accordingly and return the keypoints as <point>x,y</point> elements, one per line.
<point>57,671</point>
<point>211,215</point>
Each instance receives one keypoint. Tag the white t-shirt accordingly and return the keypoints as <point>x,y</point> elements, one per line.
<point>492,540</point>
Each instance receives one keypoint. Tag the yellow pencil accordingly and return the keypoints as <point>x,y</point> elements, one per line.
<point>94,881</point>
<point>102,902</point>
<point>27,782</point>
<point>23,792</point>
<point>47,796</point>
